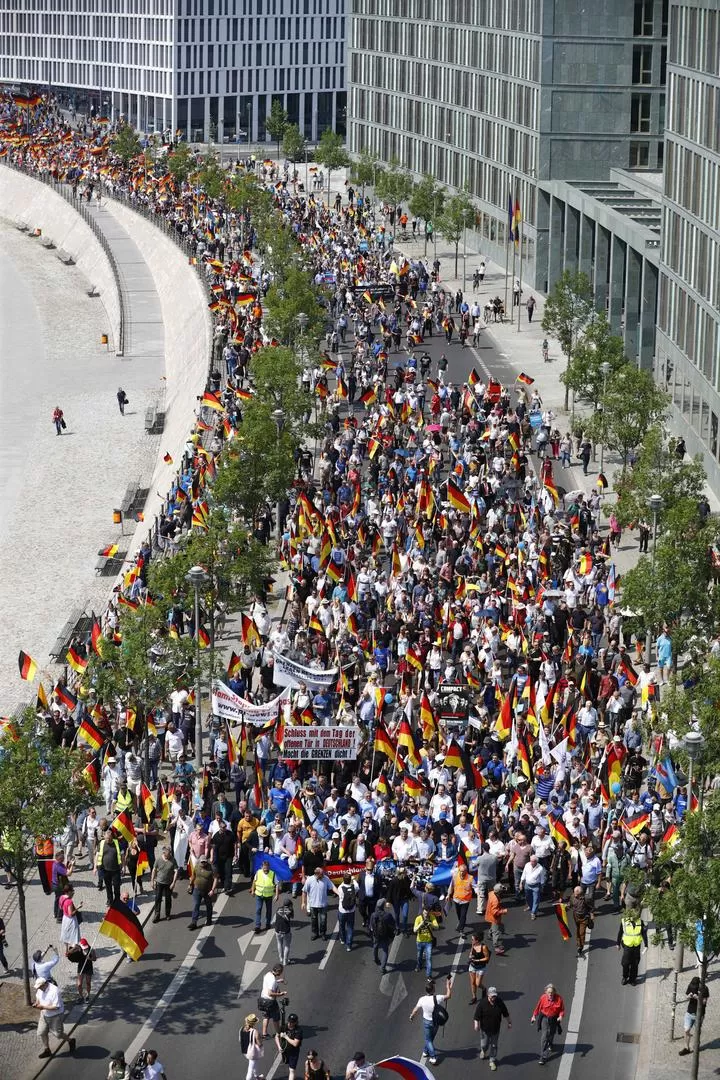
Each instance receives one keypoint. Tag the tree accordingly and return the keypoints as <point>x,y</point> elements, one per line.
<point>457,212</point>
<point>676,590</point>
<point>126,144</point>
<point>658,470</point>
<point>291,297</point>
<point>688,897</point>
<point>40,785</point>
<point>181,163</point>
<point>211,177</point>
<point>394,185</point>
<point>293,144</point>
<point>568,311</point>
<point>331,153</point>
<point>598,345</point>
<point>693,705</point>
<point>427,202</point>
<point>633,404</point>
<point>365,170</point>
<point>276,123</point>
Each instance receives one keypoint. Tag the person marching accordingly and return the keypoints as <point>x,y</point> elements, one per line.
<point>489,1015</point>
<point>632,933</point>
<point>477,963</point>
<point>547,1014</point>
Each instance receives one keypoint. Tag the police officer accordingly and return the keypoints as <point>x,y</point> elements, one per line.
<point>632,933</point>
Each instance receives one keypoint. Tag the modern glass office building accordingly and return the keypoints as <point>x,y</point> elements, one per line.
<point>209,68</point>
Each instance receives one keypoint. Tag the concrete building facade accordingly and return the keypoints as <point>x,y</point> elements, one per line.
<point>209,69</point>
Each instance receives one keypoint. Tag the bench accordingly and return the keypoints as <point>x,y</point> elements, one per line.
<point>21,226</point>
<point>62,642</point>
<point>64,257</point>
<point>47,244</point>
<point>134,500</point>
<point>154,420</point>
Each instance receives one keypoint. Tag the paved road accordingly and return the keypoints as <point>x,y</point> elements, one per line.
<point>189,994</point>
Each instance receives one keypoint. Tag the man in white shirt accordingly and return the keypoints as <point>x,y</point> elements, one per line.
<point>174,743</point>
<point>48,1000</point>
<point>532,880</point>
<point>426,1005</point>
<point>441,803</point>
<point>403,846</point>
<point>154,1069</point>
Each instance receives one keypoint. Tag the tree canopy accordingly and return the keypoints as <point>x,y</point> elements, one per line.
<point>568,311</point>
<point>457,213</point>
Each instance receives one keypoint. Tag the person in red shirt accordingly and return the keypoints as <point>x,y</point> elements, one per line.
<point>548,1013</point>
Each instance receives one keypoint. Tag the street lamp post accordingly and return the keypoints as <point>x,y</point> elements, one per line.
<point>279,417</point>
<point>197,576</point>
<point>655,502</point>
<point>465,212</point>
<point>605,369</point>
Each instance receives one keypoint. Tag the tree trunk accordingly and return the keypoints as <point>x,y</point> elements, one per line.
<point>567,388</point>
<point>457,247</point>
<point>23,930</point>
<point>698,1022</point>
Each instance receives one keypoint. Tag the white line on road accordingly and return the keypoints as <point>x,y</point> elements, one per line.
<point>330,946</point>
<point>274,1067</point>
<point>141,1039</point>
<point>572,1029</point>
<point>387,981</point>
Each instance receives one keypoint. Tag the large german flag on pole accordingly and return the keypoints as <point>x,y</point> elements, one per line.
<point>123,825</point>
<point>456,498</point>
<point>123,927</point>
<point>562,919</point>
<point>91,734</point>
<point>28,667</point>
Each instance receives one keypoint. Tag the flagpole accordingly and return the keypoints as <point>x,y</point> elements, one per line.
<point>507,260</point>
<point>520,231</point>
<point>512,299</point>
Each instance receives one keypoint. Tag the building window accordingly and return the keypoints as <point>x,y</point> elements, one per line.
<point>642,65</point>
<point>640,113</point>
<point>643,22</point>
<point>639,155</point>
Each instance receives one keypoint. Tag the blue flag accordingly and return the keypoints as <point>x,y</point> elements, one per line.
<point>280,866</point>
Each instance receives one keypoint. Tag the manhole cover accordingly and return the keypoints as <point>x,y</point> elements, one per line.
<point>627,1037</point>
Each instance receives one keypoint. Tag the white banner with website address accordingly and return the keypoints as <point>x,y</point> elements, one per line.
<point>287,672</point>
<point>232,707</point>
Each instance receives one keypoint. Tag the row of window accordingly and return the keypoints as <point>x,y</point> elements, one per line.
<point>460,46</point>
<point>122,53</point>
<point>223,57</point>
<point>90,26</point>
<point>689,401</point>
<point>645,18</point>
<point>218,8</point>
<point>71,73</point>
<point>692,181</point>
<point>695,37</point>
<point>519,16</point>
<point>692,254</point>
<point>482,177</point>
<point>474,92</point>
<point>266,77</point>
<point>694,111</point>
<point>281,27</point>
<point>131,7</point>
<point>693,329</point>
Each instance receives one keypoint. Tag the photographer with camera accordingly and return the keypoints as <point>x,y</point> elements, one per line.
<point>289,1042</point>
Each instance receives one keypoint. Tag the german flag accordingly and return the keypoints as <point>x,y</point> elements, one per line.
<point>42,699</point>
<point>167,458</point>
<point>28,667</point>
<point>90,733</point>
<point>382,787</point>
<point>414,659</point>
<point>628,671</point>
<point>473,378</point>
<point>123,825</point>
<point>585,563</point>
<point>635,824</point>
<point>351,586</point>
<point>96,638</point>
<point>125,601</point>
<point>453,757</point>
<point>456,498</point>
<point>341,389</point>
<point>558,830</point>
<point>146,800</point>
<point>316,626</point>
<point>62,693</point>
<point>211,401</point>
<point>383,743</point>
<point>245,298</point>
<point>404,738</point>
<point>203,638</point>
<point>352,625</point>
<point>526,380</point>
<point>503,724</point>
<point>369,397</point>
<point>334,572</point>
<point>249,631</point>
<point>601,481</point>
<point>500,552</point>
<point>562,919</point>
<point>91,774</point>
<point>233,665</point>
<point>44,848</point>
<point>123,927</point>
<point>367,297</point>
<point>525,757</point>
<point>258,787</point>
<point>109,551</point>
<point>412,786</point>
<point>549,485</point>
<point>143,863</point>
<point>77,662</point>
<point>327,363</point>
<point>163,803</point>
<point>427,718</point>
<point>671,836</point>
<point>296,808</point>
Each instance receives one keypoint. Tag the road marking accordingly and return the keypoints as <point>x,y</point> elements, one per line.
<point>458,955</point>
<point>142,1037</point>
<point>251,970</point>
<point>274,1067</point>
<point>393,984</point>
<point>399,995</point>
<point>251,938</point>
<point>330,946</point>
<point>572,1028</point>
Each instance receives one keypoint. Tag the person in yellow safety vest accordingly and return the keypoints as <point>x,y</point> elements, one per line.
<point>461,893</point>
<point>264,887</point>
<point>124,799</point>
<point>632,933</point>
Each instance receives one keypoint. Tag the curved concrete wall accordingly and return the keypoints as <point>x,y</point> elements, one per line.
<point>36,204</point>
<point>188,338</point>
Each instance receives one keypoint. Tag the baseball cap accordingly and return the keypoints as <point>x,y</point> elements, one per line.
<point>492,991</point>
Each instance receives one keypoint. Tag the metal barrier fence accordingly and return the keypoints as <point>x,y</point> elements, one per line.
<point>76,202</point>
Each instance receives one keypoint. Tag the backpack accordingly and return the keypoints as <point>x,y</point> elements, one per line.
<point>348,897</point>
<point>244,1040</point>
<point>283,924</point>
<point>440,1015</point>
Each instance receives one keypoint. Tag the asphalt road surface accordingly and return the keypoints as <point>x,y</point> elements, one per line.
<point>190,992</point>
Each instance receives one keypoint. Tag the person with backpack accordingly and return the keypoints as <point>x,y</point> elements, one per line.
<point>347,904</point>
<point>284,916</point>
<point>383,929</point>
<point>434,1015</point>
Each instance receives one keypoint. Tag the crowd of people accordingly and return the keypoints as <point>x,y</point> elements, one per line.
<point>466,605</point>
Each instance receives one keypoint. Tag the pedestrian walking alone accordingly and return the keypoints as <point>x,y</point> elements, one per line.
<point>58,420</point>
<point>163,879</point>
<point>489,1015</point>
<point>530,305</point>
<point>494,915</point>
<point>430,1005</point>
<point>632,933</point>
<point>122,400</point>
<point>582,914</point>
<point>547,1014</point>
